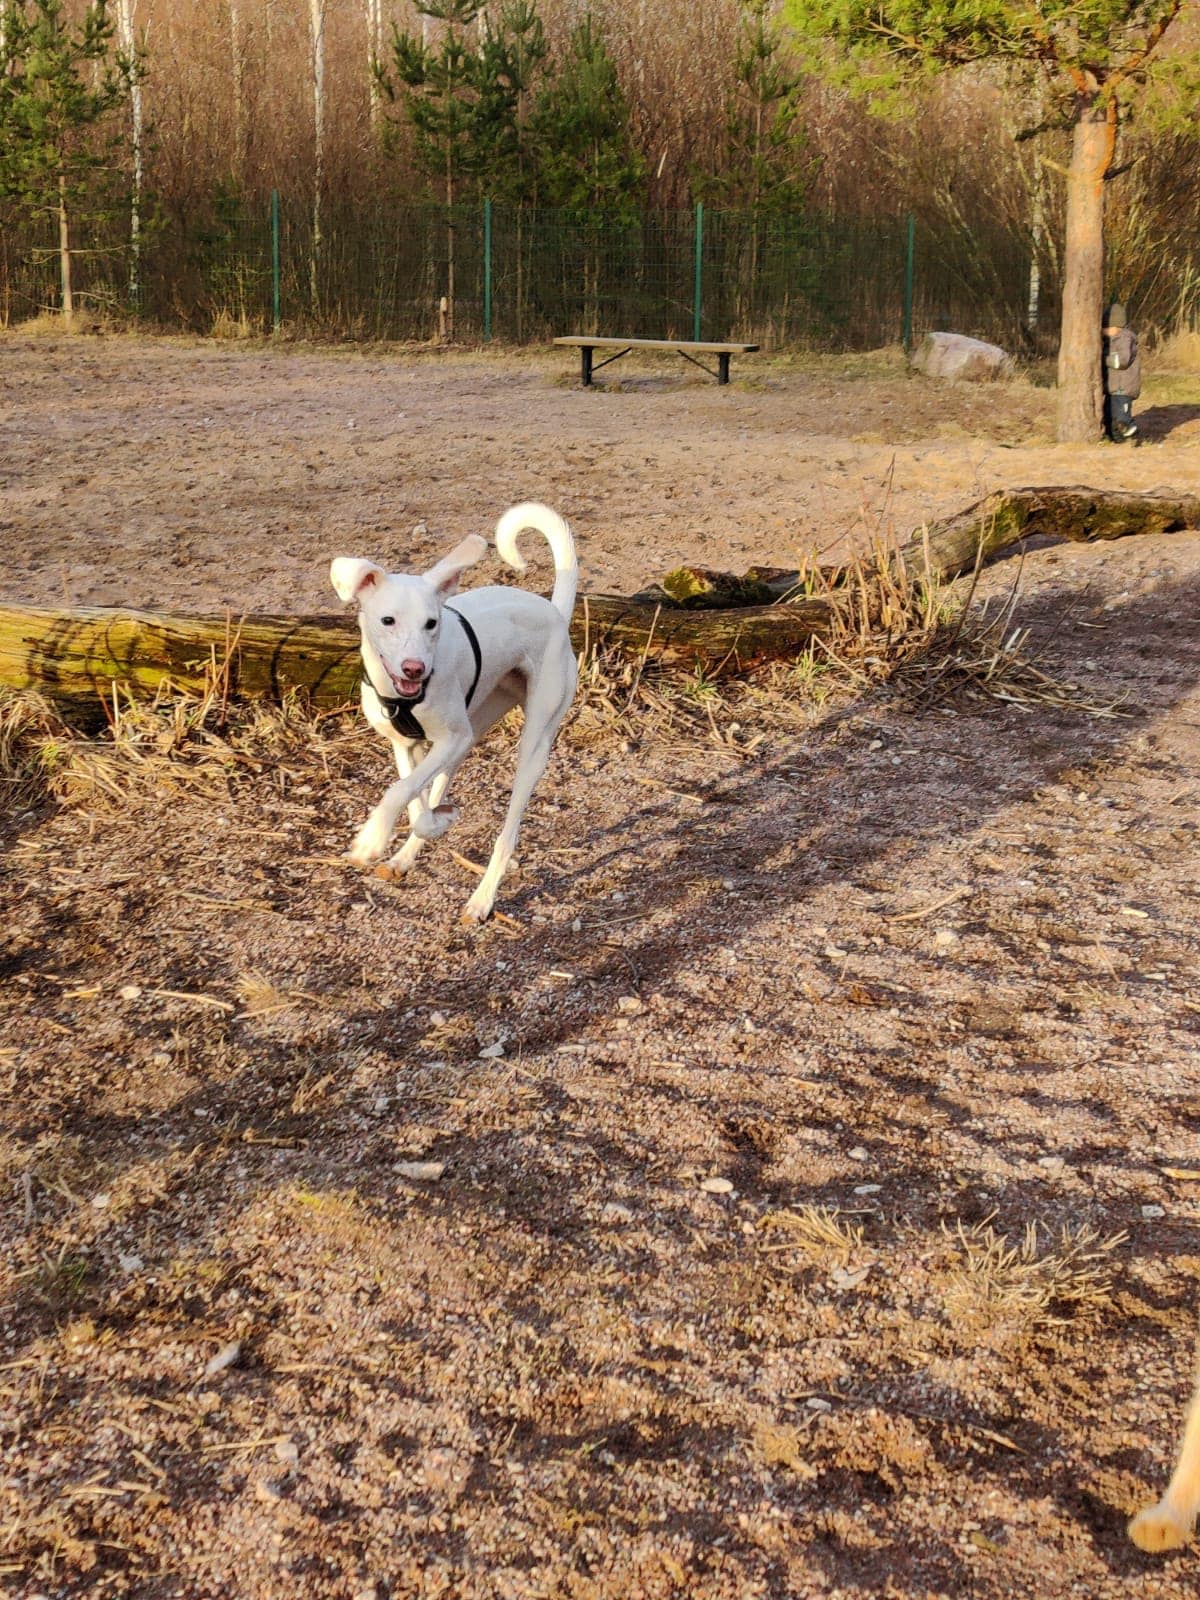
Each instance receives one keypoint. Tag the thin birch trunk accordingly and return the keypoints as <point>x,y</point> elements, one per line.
<point>238,65</point>
<point>64,250</point>
<point>317,18</point>
<point>374,52</point>
<point>127,41</point>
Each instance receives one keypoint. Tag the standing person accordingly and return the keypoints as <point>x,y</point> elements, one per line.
<point>1122,374</point>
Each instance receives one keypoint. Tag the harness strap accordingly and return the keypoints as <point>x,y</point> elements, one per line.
<point>398,709</point>
<point>473,641</point>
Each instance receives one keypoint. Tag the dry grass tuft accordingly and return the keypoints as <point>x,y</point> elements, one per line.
<point>926,639</point>
<point>261,997</point>
<point>32,735</point>
<point>172,744</point>
<point>621,697</point>
<point>923,638</point>
<point>818,1232</point>
<point>1179,351</point>
<point>995,1286</point>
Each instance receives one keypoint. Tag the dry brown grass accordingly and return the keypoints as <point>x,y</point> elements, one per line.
<point>1179,351</point>
<point>992,1285</point>
<point>817,1232</point>
<point>924,639</point>
<point>172,743</point>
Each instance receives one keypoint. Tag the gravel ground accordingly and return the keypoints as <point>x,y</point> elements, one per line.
<point>796,1195</point>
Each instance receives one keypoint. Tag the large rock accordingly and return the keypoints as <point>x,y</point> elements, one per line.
<point>953,355</point>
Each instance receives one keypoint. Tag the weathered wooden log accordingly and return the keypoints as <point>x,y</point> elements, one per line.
<point>954,545</point>
<point>74,656</point>
<point>1082,516</point>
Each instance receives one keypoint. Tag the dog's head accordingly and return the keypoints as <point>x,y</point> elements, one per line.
<point>400,614</point>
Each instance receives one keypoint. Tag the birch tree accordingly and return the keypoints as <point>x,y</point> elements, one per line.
<point>133,55</point>
<point>374,18</point>
<point>316,12</point>
<point>237,61</point>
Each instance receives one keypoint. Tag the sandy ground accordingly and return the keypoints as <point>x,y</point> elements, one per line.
<point>814,1207</point>
<point>166,474</point>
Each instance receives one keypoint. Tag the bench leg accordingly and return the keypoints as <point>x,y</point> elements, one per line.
<point>722,366</point>
<point>585,353</point>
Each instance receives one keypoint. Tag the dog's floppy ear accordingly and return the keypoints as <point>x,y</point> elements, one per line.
<point>444,577</point>
<point>350,575</point>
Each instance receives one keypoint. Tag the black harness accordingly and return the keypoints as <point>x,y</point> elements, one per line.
<point>398,709</point>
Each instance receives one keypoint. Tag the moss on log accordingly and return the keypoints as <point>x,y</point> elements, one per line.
<point>75,656</point>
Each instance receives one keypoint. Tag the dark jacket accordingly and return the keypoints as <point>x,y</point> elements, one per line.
<point>1122,363</point>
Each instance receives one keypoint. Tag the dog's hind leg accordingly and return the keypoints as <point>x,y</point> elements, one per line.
<point>543,714</point>
<point>1168,1524</point>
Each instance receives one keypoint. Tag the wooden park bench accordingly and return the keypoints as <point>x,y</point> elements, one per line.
<point>588,343</point>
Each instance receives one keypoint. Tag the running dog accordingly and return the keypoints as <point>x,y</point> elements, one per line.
<point>437,676</point>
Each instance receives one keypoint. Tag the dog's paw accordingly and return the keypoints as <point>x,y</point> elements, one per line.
<point>405,858</point>
<point>1158,1528</point>
<point>477,909</point>
<point>370,843</point>
<point>433,824</point>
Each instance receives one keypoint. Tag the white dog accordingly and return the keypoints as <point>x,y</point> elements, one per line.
<point>436,677</point>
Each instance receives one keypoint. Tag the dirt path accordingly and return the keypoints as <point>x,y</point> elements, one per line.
<point>166,473</point>
<point>812,1209</point>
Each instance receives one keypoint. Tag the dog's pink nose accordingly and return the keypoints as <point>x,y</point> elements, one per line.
<point>412,669</point>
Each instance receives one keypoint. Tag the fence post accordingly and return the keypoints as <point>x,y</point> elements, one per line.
<point>275,318</point>
<point>487,268</point>
<point>909,257</point>
<point>699,273</point>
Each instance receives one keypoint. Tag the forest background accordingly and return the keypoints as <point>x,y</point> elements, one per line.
<point>376,168</point>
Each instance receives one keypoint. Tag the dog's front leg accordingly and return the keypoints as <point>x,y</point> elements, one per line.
<point>428,819</point>
<point>372,839</point>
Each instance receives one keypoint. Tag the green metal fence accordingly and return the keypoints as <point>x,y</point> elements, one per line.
<point>520,274</point>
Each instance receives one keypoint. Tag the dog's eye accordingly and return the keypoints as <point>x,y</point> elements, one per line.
<point>388,622</point>
<point>432,623</point>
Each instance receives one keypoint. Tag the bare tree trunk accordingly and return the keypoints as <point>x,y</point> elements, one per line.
<point>238,64</point>
<point>127,40</point>
<point>1080,383</point>
<point>316,9</point>
<point>449,245</point>
<point>374,52</point>
<point>64,251</point>
<point>1037,206</point>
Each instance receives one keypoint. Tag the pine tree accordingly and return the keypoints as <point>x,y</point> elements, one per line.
<point>587,163</point>
<point>512,54</point>
<point>587,159</point>
<point>53,139</point>
<point>512,58</point>
<point>441,96</point>
<point>767,161</point>
<point>1095,58</point>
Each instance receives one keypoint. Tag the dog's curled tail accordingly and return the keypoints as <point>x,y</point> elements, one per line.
<point>557,534</point>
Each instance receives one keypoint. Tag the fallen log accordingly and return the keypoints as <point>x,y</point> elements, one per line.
<point>75,656</point>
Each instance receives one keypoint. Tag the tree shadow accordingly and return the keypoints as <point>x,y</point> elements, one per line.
<point>822,809</point>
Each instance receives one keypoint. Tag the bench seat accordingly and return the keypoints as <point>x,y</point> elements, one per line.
<point>588,343</point>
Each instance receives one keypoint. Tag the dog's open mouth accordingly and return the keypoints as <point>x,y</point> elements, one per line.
<point>406,688</point>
